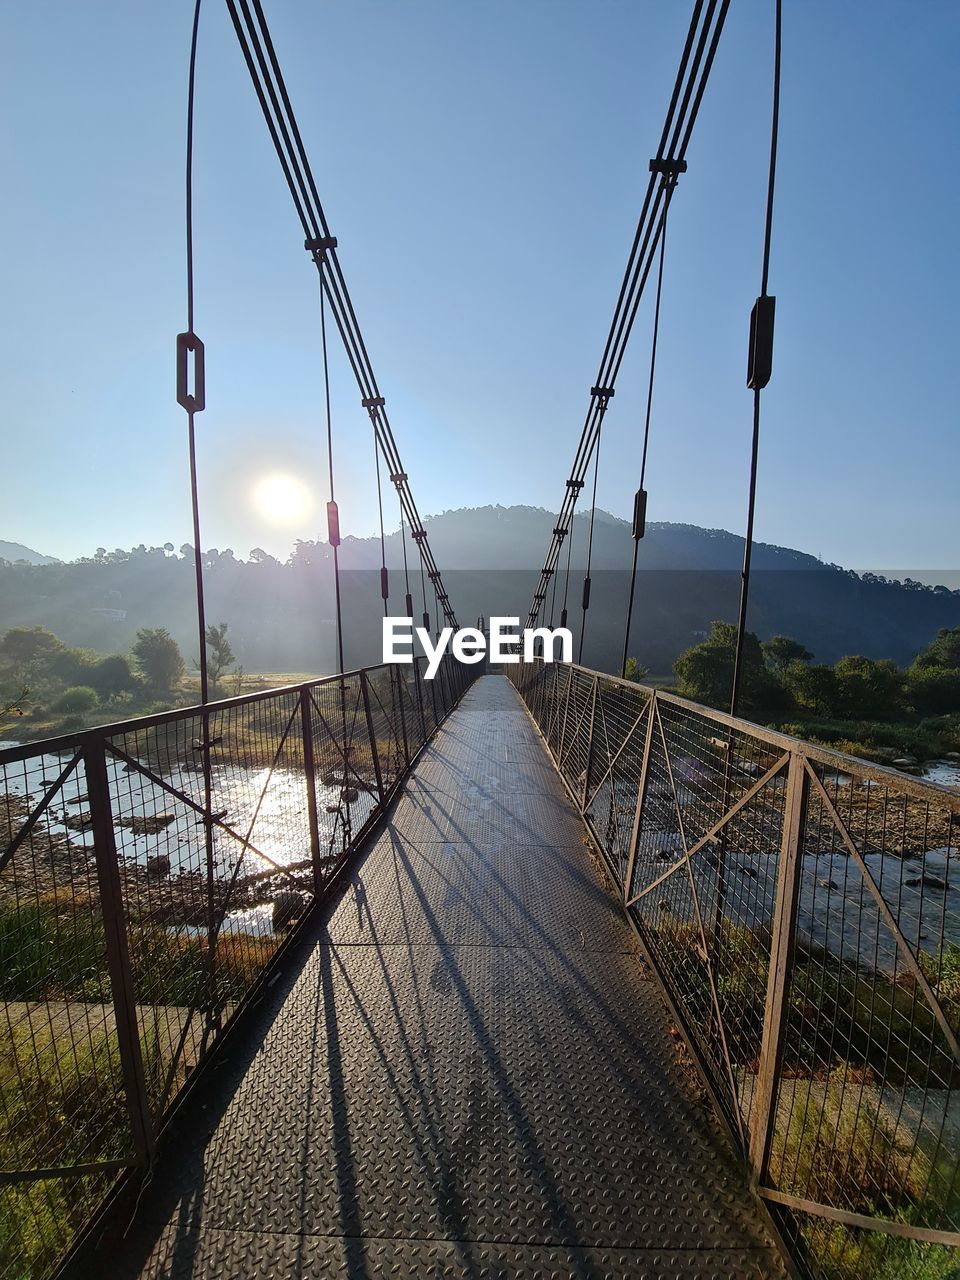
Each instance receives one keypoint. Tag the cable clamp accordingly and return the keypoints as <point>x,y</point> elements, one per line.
<point>372,402</point>
<point>320,246</point>
<point>639,514</point>
<point>575,485</point>
<point>187,343</point>
<point>548,574</point>
<point>668,166</point>
<point>399,479</point>
<point>760,358</point>
<point>605,394</point>
<point>419,535</point>
<point>559,533</point>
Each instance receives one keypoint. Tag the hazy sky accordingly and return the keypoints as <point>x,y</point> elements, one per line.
<point>482,165</point>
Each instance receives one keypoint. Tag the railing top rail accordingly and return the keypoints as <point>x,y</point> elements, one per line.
<point>839,760</point>
<point>73,741</point>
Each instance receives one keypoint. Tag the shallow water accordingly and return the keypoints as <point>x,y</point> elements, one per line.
<point>268,809</point>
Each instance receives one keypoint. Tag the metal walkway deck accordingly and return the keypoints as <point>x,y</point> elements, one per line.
<point>465,1073</point>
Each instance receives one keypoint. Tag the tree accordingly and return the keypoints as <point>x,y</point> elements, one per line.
<point>814,688</point>
<point>942,651</point>
<point>23,645</point>
<point>635,671</point>
<point>869,689</point>
<point>159,658</point>
<point>933,690</point>
<point>219,653</point>
<point>781,651</point>
<point>705,673</point>
<point>112,675</point>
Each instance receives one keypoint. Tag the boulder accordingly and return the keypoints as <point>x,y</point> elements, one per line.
<point>148,824</point>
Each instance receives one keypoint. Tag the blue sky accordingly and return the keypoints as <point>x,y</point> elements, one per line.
<point>483,167</point>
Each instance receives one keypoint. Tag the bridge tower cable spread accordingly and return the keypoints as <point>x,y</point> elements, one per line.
<point>696,62</point>
<point>759,365</point>
<point>260,56</point>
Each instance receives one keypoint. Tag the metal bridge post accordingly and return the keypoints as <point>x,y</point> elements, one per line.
<point>418,685</point>
<point>374,751</point>
<point>117,948</point>
<point>310,777</point>
<point>782,949</point>
<point>403,718</point>
<point>566,711</point>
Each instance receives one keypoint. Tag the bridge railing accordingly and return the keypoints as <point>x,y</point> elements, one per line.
<point>801,910</point>
<point>150,871</point>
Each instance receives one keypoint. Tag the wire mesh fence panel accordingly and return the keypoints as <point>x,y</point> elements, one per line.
<point>427,694</point>
<point>703,885</point>
<point>348,785</point>
<point>149,872</point>
<point>866,1116</point>
<point>409,683</point>
<point>575,732</point>
<point>615,761</point>
<point>385,727</point>
<point>802,911</point>
<point>63,1105</point>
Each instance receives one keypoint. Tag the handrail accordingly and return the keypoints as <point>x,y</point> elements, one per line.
<point>138,916</point>
<point>795,905</point>
<point>70,741</point>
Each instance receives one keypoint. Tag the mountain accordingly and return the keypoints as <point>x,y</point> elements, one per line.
<point>14,551</point>
<point>281,615</point>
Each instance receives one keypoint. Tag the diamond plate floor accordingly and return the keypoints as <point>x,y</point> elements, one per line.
<point>464,1075</point>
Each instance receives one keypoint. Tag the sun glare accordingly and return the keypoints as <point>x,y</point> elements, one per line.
<point>282,499</point>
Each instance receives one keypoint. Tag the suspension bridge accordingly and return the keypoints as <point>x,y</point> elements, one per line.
<point>521,971</point>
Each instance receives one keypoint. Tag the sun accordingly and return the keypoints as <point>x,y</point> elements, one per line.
<point>282,499</point>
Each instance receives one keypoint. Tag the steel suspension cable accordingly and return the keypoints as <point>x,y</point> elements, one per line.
<point>640,500</point>
<point>190,342</point>
<point>566,580</point>
<point>760,367</point>
<point>585,605</point>
<point>193,402</point>
<point>384,582</point>
<point>408,603</point>
<point>333,515</point>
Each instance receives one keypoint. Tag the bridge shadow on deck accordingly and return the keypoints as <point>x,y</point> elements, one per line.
<point>462,1074</point>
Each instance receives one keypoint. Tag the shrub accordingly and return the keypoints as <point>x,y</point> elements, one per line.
<point>112,676</point>
<point>78,700</point>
